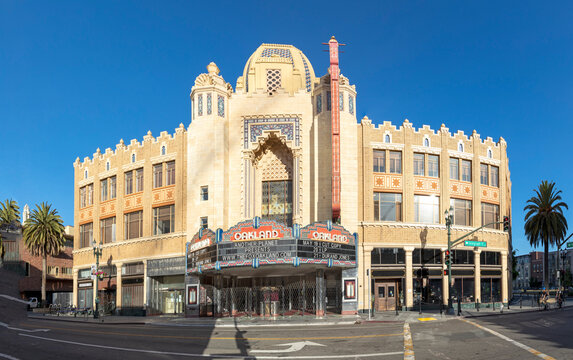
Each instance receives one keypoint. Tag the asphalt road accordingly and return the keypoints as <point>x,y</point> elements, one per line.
<point>516,336</point>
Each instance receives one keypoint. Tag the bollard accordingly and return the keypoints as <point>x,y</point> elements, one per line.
<point>493,305</point>
<point>459,306</point>
<point>477,305</point>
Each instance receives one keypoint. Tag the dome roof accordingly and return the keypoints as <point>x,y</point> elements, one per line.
<point>296,72</point>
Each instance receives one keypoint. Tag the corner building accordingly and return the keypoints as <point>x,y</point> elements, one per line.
<point>233,215</point>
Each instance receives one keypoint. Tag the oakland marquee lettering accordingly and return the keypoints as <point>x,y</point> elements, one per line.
<point>256,235</point>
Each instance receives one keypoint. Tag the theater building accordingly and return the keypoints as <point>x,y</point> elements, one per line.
<point>276,200</point>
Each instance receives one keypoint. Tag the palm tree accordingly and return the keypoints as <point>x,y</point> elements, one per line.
<point>9,215</point>
<point>43,236</point>
<point>545,223</point>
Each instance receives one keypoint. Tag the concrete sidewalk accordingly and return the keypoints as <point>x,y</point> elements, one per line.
<point>295,320</point>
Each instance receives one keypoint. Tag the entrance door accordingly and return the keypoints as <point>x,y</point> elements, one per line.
<point>385,296</point>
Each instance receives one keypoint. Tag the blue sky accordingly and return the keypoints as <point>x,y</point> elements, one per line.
<point>79,75</point>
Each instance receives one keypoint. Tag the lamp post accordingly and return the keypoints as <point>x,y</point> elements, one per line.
<point>449,219</point>
<point>97,249</point>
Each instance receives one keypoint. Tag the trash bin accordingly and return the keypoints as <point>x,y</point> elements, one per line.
<point>274,308</point>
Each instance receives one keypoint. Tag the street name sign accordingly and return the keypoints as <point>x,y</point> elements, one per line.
<point>475,243</point>
<point>569,245</point>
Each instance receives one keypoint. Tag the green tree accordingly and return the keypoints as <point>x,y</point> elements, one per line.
<point>514,271</point>
<point>545,223</point>
<point>43,236</point>
<point>9,215</point>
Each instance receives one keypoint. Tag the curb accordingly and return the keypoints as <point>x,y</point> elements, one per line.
<point>87,321</point>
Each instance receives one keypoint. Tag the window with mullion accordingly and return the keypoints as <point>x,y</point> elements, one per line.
<point>86,235</point>
<point>494,176</point>
<point>462,211</point>
<point>103,189</point>
<point>427,209</point>
<point>163,220</point>
<point>454,169</point>
<point>379,161</point>
<point>433,165</point>
<point>387,206</point>
<point>490,214</point>
<point>466,170</point>
<point>128,182</point>
<point>395,162</point>
<point>419,164</point>
<point>170,168</point>
<point>107,230</point>
<point>483,178</point>
<point>157,175</point>
<point>133,225</point>
<point>139,180</point>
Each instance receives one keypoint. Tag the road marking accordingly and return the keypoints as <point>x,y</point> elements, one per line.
<point>15,299</point>
<point>292,347</point>
<point>369,336</point>
<point>17,329</point>
<point>6,356</point>
<point>427,319</point>
<point>408,345</point>
<point>516,343</point>
<point>354,356</point>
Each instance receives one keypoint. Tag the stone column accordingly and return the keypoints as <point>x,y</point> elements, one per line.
<point>320,293</point>
<point>504,271</point>
<point>118,293</point>
<point>409,280</point>
<point>477,276</point>
<point>366,283</point>
<point>95,289</point>
<point>75,289</point>
<point>145,284</point>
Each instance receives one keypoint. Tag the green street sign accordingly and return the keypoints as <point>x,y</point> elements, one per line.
<point>475,243</point>
<point>569,245</point>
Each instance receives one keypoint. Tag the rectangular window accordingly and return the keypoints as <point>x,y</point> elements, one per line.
<point>128,182</point>
<point>170,168</point>
<point>328,101</point>
<point>139,180</point>
<point>133,223</point>
<point>490,214</point>
<point>483,174</point>
<point>388,256</point>
<point>427,209</point>
<point>103,188</point>
<point>433,165</point>
<point>90,194</point>
<point>494,176</point>
<point>319,103</point>
<point>454,169</point>
<point>86,235</point>
<point>419,164</point>
<point>107,230</point>
<point>83,197</point>
<point>157,175</point>
<point>379,161</point>
<point>466,170</point>
<point>387,207</point>
<point>490,258</point>
<point>164,220</point>
<point>395,162</point>
<point>462,211</point>
<point>204,222</point>
<point>112,187</point>
<point>204,196</point>
<point>341,101</point>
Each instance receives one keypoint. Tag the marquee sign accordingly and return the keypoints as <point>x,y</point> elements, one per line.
<point>257,229</point>
<point>265,242</point>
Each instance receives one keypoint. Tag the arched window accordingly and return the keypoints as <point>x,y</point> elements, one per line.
<point>387,138</point>
<point>132,158</point>
<point>461,147</point>
<point>86,174</point>
<point>163,150</point>
<point>489,153</point>
<point>427,142</point>
<point>107,166</point>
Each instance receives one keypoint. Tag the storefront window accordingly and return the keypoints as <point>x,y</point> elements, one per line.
<point>490,258</point>
<point>463,289</point>
<point>387,256</point>
<point>431,293</point>
<point>430,256</point>
<point>490,290</point>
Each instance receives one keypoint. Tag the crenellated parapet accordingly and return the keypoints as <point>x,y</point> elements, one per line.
<point>162,141</point>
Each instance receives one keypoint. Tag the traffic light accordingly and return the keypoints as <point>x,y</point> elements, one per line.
<point>447,257</point>
<point>506,223</point>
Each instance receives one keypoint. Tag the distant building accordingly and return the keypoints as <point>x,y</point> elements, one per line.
<point>521,282</point>
<point>59,277</point>
<point>536,266</point>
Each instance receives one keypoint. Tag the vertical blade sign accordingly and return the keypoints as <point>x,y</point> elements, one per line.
<point>335,116</point>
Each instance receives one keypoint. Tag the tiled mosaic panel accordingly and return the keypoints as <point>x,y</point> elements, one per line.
<point>351,104</point>
<point>319,103</point>
<point>200,105</point>
<point>220,106</point>
<point>209,105</point>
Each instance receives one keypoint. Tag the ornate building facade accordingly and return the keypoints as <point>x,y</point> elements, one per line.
<point>320,212</point>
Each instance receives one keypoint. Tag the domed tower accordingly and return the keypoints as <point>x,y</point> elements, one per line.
<point>207,141</point>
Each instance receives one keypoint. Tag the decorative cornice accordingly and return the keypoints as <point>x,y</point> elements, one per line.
<point>426,149</point>
<point>402,225</point>
<point>132,166</point>
<point>85,182</point>
<point>134,241</point>
<point>386,146</point>
<point>486,160</point>
<point>106,174</point>
<point>461,155</point>
<point>163,158</point>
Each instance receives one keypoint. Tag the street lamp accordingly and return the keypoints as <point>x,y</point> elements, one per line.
<point>97,249</point>
<point>449,220</point>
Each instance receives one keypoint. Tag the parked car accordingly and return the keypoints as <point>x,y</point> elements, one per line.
<point>33,302</point>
